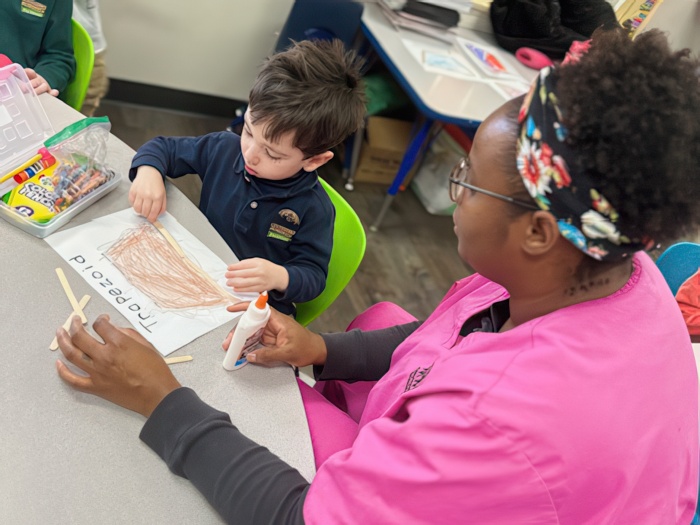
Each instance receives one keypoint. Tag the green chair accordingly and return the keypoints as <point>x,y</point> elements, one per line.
<point>348,248</point>
<point>84,52</point>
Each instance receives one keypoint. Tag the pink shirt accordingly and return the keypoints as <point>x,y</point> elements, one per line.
<point>585,415</point>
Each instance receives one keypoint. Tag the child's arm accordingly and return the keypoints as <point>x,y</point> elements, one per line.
<point>147,193</point>
<point>178,156</point>
<point>302,277</point>
<point>257,275</point>
<point>309,253</point>
<point>174,157</point>
<point>56,62</point>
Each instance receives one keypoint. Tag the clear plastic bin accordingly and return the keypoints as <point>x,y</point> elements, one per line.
<point>24,127</point>
<point>431,182</point>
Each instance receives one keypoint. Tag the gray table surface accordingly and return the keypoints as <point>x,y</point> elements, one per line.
<point>68,457</point>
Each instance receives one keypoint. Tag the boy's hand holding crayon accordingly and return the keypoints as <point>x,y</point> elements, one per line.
<point>147,193</point>
<point>257,275</point>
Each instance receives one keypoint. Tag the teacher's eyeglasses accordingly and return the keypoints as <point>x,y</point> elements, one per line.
<point>458,178</point>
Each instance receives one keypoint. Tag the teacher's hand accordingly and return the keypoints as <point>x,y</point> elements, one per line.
<point>284,340</point>
<point>125,369</point>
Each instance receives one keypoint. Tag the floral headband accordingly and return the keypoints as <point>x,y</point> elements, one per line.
<point>545,161</point>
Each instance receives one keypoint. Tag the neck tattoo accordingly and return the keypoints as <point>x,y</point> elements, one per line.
<point>586,286</point>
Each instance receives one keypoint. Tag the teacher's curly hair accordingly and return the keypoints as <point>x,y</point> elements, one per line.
<point>632,112</point>
<point>631,109</point>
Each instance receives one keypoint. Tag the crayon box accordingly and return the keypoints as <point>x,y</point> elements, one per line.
<point>36,198</point>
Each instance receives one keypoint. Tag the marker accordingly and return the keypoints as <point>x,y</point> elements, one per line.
<point>24,166</point>
<point>46,161</point>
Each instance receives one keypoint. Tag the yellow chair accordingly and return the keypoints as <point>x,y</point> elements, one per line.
<point>84,52</point>
<point>348,249</point>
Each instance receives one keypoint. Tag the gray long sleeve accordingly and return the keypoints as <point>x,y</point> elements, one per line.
<point>362,355</point>
<point>243,481</point>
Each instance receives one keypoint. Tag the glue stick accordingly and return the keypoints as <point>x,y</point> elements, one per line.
<point>248,333</point>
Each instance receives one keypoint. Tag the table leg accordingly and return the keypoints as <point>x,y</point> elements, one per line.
<point>407,162</point>
<point>349,150</point>
<point>354,158</point>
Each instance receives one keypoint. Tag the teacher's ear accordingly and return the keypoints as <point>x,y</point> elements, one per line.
<point>542,233</point>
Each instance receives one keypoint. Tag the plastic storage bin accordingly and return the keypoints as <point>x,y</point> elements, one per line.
<point>24,127</point>
<point>431,183</point>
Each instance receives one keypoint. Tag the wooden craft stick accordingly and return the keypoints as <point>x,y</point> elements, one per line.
<point>171,240</point>
<point>71,297</point>
<point>66,325</point>
<point>165,233</point>
<point>179,359</point>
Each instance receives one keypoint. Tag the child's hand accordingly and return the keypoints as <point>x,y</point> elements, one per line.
<point>147,193</point>
<point>39,83</point>
<point>257,275</point>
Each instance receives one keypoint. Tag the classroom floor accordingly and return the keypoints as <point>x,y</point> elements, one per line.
<point>411,261</point>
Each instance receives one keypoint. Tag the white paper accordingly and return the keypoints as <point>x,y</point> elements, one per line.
<point>489,60</point>
<point>446,64</point>
<point>439,60</point>
<point>82,248</point>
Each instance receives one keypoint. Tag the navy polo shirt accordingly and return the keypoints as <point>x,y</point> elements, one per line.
<point>288,222</point>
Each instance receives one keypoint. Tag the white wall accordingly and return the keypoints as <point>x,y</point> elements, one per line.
<point>212,47</point>
<point>680,19</point>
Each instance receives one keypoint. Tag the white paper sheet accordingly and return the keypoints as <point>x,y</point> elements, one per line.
<point>82,248</point>
<point>439,60</point>
<point>488,59</point>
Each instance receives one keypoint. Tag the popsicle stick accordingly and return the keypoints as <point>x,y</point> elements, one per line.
<point>66,325</point>
<point>165,233</point>
<point>179,359</point>
<point>69,293</point>
<point>171,240</point>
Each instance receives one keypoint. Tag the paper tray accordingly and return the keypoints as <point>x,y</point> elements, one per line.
<point>45,229</point>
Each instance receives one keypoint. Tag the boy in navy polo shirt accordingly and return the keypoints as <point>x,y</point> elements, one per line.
<point>260,190</point>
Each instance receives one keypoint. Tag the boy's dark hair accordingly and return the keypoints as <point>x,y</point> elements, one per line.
<point>313,89</point>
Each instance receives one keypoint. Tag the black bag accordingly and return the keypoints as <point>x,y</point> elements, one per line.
<point>549,26</point>
<point>441,15</point>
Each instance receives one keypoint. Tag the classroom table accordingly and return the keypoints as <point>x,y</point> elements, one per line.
<point>69,457</point>
<point>440,98</point>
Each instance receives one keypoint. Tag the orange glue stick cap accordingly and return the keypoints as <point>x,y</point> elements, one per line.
<point>261,301</point>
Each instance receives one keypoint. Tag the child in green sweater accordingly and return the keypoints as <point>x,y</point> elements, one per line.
<point>38,35</point>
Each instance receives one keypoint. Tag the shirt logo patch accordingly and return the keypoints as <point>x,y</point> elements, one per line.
<point>281,233</point>
<point>33,8</point>
<point>290,216</point>
<point>415,377</point>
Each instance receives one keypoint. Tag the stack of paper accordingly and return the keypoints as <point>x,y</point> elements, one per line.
<point>402,20</point>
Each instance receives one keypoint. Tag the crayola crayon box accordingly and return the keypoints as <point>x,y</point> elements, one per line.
<point>46,178</point>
